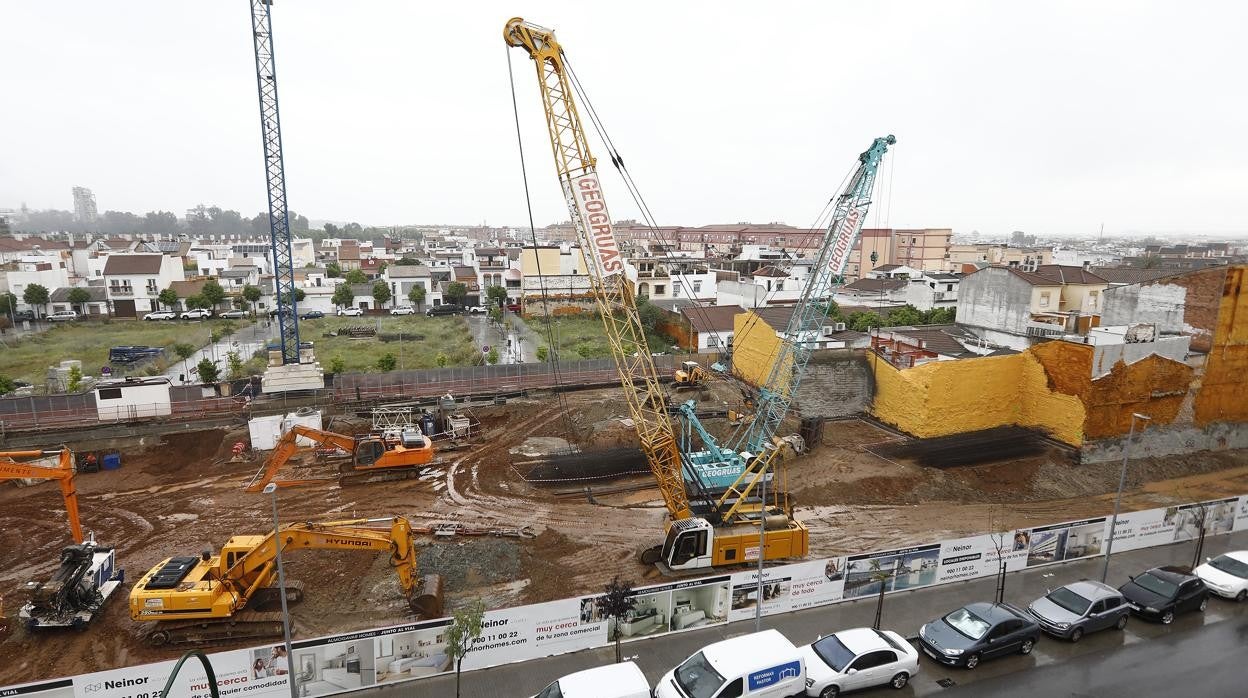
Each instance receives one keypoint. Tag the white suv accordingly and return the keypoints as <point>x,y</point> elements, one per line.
<point>63,316</point>
<point>197,314</point>
<point>160,315</point>
<point>858,658</point>
<point>403,310</point>
<point>353,312</point>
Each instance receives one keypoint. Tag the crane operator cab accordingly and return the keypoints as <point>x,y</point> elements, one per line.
<point>409,447</point>
<point>688,544</point>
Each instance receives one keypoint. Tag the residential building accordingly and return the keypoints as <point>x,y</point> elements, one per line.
<point>872,241</point>
<point>46,270</point>
<point>910,346</point>
<point>968,258</point>
<point>1015,308</point>
<point>97,306</point>
<point>702,329</point>
<point>135,281</point>
<point>558,273</point>
<point>84,205</point>
<point>921,248</point>
<point>403,278</point>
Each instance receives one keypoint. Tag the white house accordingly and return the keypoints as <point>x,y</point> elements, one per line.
<point>135,281</point>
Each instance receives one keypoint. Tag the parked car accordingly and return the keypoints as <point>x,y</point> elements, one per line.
<point>20,315</point>
<point>513,307</point>
<point>403,310</point>
<point>622,680</point>
<point>161,315</point>
<point>196,314</point>
<point>860,658</point>
<point>978,631</point>
<point>350,312</point>
<point>63,316</point>
<point>1226,575</point>
<point>748,666</point>
<point>476,309</point>
<point>445,309</point>
<point>311,315</point>
<point>1079,608</point>
<point>233,314</point>
<point>279,311</point>
<point>1161,592</point>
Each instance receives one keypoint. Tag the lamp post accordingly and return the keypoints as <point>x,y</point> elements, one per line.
<point>271,490</point>
<point>1122,481</point>
<point>762,539</point>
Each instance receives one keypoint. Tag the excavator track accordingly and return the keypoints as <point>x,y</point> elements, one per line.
<point>242,625</point>
<point>351,477</point>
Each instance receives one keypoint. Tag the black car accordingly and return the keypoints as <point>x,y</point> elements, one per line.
<point>978,631</point>
<point>20,315</point>
<point>445,309</point>
<point>311,315</point>
<point>1161,592</point>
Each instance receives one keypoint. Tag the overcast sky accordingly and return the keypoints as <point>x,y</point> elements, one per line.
<point>1043,117</point>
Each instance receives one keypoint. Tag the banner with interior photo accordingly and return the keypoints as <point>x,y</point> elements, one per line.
<point>395,654</point>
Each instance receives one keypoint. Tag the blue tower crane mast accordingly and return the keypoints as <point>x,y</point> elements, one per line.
<point>275,179</point>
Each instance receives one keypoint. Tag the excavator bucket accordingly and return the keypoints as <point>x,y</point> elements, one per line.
<point>426,600</point>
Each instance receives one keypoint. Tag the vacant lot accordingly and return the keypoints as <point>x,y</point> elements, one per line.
<point>89,341</point>
<point>582,337</point>
<point>415,341</point>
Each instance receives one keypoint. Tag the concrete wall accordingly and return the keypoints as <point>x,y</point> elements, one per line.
<point>837,383</point>
<point>1104,356</point>
<point>994,298</point>
<point>1187,303</point>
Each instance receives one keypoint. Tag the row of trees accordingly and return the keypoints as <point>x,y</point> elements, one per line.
<point>201,220</point>
<point>863,321</point>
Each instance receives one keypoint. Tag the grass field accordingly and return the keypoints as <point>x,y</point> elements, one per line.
<point>28,358</point>
<point>422,339</point>
<point>582,337</point>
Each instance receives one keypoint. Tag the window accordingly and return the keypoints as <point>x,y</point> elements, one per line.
<point>732,690</point>
<point>873,659</point>
<point>1044,299</point>
<point>110,393</point>
<point>948,287</point>
<point>697,286</point>
<point>1092,297</point>
<point>659,289</point>
<point>1113,602</point>
<point>1098,607</point>
<point>712,340</point>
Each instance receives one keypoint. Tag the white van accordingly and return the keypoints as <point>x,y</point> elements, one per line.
<point>611,681</point>
<point>758,665</point>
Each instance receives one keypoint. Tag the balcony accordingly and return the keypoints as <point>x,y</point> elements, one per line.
<point>1044,329</point>
<point>120,291</point>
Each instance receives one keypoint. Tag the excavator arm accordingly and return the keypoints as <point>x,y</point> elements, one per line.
<point>63,473</point>
<point>287,447</point>
<point>612,292</point>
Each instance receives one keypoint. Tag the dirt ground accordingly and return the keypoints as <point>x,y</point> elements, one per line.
<point>186,496</point>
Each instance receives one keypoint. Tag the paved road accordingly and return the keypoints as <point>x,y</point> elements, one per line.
<point>1134,650</point>
<point>246,342</point>
<point>514,347</point>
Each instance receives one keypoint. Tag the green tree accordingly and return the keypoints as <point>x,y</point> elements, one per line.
<point>195,302</point>
<point>36,296</point>
<point>441,360</point>
<point>343,296</point>
<point>168,298</point>
<point>617,603</point>
<point>417,295</point>
<point>75,379</point>
<point>543,352</point>
<point>6,385</point>
<point>833,312</point>
<point>496,313</point>
<point>300,294</point>
<point>332,270</point>
<point>456,292</point>
<point>79,296</point>
<point>381,293</point>
<point>462,635</point>
<point>497,294</point>
<point>8,303</point>
<point>387,362</point>
<point>235,362</point>
<point>252,295</point>
<point>184,351</point>
<point>337,365</point>
<point>407,262</point>
<point>649,313</point>
<point>492,357</point>
<point>355,276</point>
<point>862,321</point>
<point>208,371</point>
<point>905,315</point>
<point>213,293</point>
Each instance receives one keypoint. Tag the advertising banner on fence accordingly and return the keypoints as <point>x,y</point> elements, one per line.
<point>337,664</point>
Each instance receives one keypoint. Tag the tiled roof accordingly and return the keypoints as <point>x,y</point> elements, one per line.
<point>61,295</point>
<point>936,338</point>
<point>1130,275</point>
<point>132,264</point>
<point>237,272</point>
<point>716,318</point>
<point>186,289</point>
<point>1068,274</point>
<point>876,285</point>
<point>887,267</point>
<point>407,271</point>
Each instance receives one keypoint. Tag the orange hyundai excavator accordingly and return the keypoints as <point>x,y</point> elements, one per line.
<point>374,458</point>
<point>86,576</point>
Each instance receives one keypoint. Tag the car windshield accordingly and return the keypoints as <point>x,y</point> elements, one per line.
<point>1070,601</point>
<point>1157,585</point>
<point>1230,565</point>
<point>833,653</point>
<point>967,623</point>
<point>551,691</point>
<point>696,677</point>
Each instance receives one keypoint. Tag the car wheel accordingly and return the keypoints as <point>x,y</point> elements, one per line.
<point>1204,603</point>
<point>1027,645</point>
<point>1167,618</point>
<point>1076,635</point>
<point>900,680</point>
<point>1242,595</point>
<point>1122,622</point>
<point>972,661</point>
<point>830,692</point>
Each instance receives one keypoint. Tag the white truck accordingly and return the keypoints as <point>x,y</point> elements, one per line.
<point>758,665</point>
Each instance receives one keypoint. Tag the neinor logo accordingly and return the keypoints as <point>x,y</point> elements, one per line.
<point>593,210</point>
<point>122,683</point>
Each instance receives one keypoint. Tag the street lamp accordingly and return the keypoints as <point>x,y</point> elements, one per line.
<point>1122,480</point>
<point>762,539</point>
<point>271,489</point>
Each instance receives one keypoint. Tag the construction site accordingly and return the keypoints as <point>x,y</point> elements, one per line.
<point>856,490</point>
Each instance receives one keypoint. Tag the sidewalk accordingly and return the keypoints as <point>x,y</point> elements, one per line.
<point>904,612</point>
<point>528,339</point>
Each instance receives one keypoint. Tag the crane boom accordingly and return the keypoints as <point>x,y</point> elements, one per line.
<point>776,394</point>
<point>63,473</point>
<point>613,294</point>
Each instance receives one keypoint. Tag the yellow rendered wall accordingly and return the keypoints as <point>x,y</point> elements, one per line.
<point>948,397</point>
<point>754,348</point>
<point>1223,395</point>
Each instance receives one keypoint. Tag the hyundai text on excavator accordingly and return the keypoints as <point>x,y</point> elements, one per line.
<point>208,598</point>
<point>702,532</point>
<point>374,458</point>
<point>86,577</point>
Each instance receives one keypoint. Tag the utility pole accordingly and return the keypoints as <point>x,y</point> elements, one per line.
<point>1122,480</point>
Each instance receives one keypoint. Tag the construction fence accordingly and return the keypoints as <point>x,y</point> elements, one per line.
<point>397,654</point>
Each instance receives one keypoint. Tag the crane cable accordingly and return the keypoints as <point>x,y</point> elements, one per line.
<point>550,323</point>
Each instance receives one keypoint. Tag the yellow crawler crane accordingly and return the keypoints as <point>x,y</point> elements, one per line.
<point>208,598</point>
<point>702,532</point>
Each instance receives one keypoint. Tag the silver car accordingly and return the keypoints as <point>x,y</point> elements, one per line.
<point>1079,608</point>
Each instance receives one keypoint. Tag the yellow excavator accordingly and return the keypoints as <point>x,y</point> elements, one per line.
<point>690,375</point>
<point>86,576</point>
<point>702,531</point>
<point>209,598</point>
<point>374,458</point>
